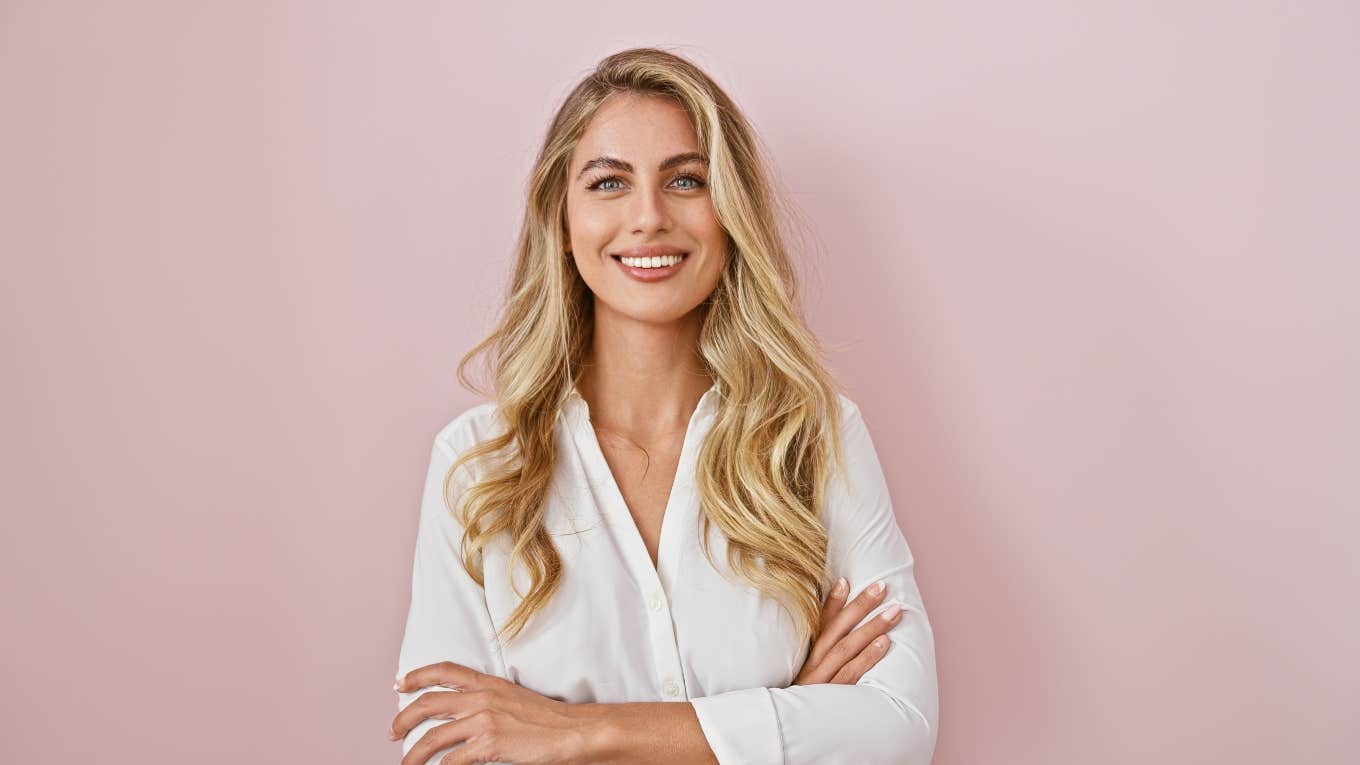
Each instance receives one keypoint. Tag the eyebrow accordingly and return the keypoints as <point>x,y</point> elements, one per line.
<point>614,163</point>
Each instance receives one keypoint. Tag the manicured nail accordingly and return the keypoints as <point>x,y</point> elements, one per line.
<point>840,588</point>
<point>880,641</point>
<point>877,588</point>
<point>891,613</point>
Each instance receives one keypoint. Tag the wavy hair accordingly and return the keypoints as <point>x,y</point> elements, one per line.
<point>762,469</point>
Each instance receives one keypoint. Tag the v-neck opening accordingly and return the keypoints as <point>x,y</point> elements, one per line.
<point>668,523</point>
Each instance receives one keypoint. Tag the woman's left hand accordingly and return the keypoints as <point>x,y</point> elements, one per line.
<point>494,719</point>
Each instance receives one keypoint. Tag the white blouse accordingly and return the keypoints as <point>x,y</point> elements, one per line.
<point>621,630</point>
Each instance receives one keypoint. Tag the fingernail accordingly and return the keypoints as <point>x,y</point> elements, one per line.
<point>396,687</point>
<point>880,641</point>
<point>891,613</point>
<point>840,588</point>
<point>877,588</point>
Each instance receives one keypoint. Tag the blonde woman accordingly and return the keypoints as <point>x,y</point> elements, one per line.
<point>660,542</point>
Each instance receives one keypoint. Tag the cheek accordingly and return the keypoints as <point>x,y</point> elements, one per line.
<point>713,273</point>
<point>579,216</point>
<point>700,216</point>
<point>590,232</point>
<point>710,231</point>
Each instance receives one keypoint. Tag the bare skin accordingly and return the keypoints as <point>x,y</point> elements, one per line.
<point>644,474</point>
<point>497,720</point>
<point>841,653</point>
<point>643,377</point>
<point>642,381</point>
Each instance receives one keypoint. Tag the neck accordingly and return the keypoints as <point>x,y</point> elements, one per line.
<point>643,378</point>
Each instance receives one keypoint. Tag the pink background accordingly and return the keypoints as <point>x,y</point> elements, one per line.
<point>1090,273</point>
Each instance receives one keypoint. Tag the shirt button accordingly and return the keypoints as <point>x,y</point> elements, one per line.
<point>672,688</point>
<point>656,604</point>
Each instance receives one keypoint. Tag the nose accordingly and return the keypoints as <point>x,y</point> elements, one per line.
<point>648,211</point>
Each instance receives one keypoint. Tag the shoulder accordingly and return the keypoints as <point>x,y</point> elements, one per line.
<point>851,419</point>
<point>857,444</point>
<point>473,425</point>
<point>848,407</point>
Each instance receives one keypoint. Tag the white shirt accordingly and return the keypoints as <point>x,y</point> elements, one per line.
<point>621,630</point>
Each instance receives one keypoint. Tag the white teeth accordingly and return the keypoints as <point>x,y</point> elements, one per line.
<point>660,261</point>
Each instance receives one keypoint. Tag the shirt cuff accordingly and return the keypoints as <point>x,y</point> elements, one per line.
<point>741,727</point>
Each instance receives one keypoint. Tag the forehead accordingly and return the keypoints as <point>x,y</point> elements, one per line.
<point>636,128</point>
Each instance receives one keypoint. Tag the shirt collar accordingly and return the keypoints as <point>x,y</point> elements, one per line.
<point>576,404</point>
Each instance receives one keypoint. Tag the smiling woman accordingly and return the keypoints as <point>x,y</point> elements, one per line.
<point>613,208</point>
<point>667,537</point>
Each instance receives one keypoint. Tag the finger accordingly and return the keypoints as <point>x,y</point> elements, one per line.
<point>835,599</point>
<point>435,705</point>
<point>840,623</point>
<point>471,752</point>
<point>444,673</point>
<point>867,658</point>
<point>440,737</point>
<point>848,647</point>
<point>859,607</point>
<point>853,643</point>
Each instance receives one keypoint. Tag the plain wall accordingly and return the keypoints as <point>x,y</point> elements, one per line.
<point>1089,270</point>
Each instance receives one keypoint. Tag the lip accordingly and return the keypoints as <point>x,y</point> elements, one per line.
<point>648,251</point>
<point>651,274</point>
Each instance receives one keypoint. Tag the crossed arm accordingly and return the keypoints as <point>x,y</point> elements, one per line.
<point>533,728</point>
<point>889,716</point>
<point>648,731</point>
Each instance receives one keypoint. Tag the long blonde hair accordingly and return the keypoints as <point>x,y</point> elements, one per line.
<point>762,468</point>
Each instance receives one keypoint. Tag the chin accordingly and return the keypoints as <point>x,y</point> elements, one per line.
<point>651,313</point>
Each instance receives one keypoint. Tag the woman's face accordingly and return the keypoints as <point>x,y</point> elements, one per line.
<point>631,185</point>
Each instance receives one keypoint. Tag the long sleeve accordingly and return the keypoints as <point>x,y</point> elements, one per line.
<point>448,618</point>
<point>891,714</point>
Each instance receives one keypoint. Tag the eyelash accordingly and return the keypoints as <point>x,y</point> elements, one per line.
<point>698,182</point>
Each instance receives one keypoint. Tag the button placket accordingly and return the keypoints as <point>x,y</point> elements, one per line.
<point>661,629</point>
<point>665,650</point>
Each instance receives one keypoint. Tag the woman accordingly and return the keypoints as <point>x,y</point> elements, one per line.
<point>669,472</point>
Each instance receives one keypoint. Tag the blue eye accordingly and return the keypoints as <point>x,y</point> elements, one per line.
<point>696,182</point>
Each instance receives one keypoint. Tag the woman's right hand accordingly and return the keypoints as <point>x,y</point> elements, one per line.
<point>839,655</point>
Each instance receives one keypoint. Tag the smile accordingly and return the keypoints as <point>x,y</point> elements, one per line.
<point>651,269</point>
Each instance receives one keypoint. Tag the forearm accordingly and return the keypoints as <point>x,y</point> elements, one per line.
<point>648,731</point>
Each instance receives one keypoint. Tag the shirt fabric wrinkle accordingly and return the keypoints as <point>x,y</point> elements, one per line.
<point>621,629</point>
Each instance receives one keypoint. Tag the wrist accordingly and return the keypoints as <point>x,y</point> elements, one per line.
<point>601,737</point>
